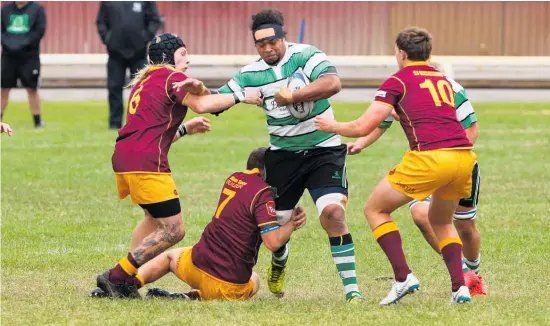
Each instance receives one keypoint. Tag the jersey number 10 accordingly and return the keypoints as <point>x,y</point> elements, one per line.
<point>439,95</point>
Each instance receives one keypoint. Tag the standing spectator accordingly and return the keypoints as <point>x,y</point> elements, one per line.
<point>23,26</point>
<point>125,27</point>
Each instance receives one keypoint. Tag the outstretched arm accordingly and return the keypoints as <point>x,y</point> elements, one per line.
<point>366,141</point>
<point>364,125</point>
<point>192,93</point>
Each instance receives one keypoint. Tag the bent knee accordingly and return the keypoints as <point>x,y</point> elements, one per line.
<point>173,231</point>
<point>369,209</point>
<point>420,217</point>
<point>466,230</point>
<point>255,278</point>
<point>334,212</point>
<point>179,232</point>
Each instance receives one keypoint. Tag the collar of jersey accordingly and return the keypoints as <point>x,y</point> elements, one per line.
<point>253,171</point>
<point>417,63</point>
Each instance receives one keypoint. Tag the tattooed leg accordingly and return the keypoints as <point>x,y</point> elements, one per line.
<point>147,226</point>
<point>167,234</point>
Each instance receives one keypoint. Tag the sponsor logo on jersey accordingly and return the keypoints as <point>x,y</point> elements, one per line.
<point>381,93</point>
<point>270,205</point>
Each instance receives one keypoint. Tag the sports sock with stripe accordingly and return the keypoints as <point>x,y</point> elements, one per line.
<point>280,257</point>
<point>126,267</point>
<point>473,265</point>
<point>343,253</point>
<point>389,239</point>
<point>451,249</point>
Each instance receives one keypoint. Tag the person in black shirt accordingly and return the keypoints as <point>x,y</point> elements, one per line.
<point>23,26</point>
<point>125,27</point>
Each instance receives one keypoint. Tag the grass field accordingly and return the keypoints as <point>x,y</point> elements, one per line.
<point>62,224</point>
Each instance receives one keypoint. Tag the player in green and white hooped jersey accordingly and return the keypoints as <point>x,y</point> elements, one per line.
<point>466,212</point>
<point>300,157</point>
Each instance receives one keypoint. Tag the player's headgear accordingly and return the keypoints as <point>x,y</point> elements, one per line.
<point>268,32</point>
<point>163,47</point>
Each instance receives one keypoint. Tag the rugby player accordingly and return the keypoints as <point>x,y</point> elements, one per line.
<point>466,211</point>
<point>219,265</point>
<point>140,159</point>
<point>299,156</point>
<point>440,160</point>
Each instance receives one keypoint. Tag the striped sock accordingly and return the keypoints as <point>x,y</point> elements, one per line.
<point>280,257</point>
<point>472,264</point>
<point>343,253</point>
<point>464,266</point>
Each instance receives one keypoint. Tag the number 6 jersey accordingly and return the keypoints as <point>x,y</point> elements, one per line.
<point>155,111</point>
<point>424,100</point>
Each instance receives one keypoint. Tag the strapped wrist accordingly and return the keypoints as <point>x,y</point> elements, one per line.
<point>182,130</point>
<point>239,97</point>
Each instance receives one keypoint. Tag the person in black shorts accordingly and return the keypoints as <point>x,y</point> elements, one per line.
<point>23,26</point>
<point>299,156</point>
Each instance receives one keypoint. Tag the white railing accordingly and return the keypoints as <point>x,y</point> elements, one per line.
<point>93,67</point>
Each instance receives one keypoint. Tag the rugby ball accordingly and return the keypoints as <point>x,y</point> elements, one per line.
<point>299,110</point>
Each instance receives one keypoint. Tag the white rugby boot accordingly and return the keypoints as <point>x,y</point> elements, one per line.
<point>401,289</point>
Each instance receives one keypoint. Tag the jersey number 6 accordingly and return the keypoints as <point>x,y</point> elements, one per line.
<point>443,87</point>
<point>136,98</point>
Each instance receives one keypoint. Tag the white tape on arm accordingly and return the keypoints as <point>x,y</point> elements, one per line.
<point>283,217</point>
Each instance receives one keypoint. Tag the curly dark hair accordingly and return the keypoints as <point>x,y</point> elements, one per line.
<point>267,16</point>
<point>416,42</point>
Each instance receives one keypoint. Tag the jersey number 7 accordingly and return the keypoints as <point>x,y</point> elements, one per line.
<point>230,194</point>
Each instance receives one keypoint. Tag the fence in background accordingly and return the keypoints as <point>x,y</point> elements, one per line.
<point>338,27</point>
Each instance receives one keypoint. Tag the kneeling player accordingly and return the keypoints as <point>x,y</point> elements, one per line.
<point>220,265</point>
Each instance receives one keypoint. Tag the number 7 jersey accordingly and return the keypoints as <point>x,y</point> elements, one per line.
<point>424,100</point>
<point>228,248</point>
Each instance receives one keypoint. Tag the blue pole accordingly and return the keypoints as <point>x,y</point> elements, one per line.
<point>302,30</point>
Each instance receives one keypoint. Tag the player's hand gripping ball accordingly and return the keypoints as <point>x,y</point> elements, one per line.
<point>299,110</point>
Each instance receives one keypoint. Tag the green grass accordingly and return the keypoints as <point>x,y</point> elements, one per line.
<point>62,224</point>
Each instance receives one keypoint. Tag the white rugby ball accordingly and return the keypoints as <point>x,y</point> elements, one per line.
<point>299,110</point>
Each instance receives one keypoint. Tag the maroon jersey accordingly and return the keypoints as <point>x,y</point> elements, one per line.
<point>228,248</point>
<point>424,100</point>
<point>155,112</point>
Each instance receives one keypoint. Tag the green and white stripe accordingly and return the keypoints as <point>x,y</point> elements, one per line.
<point>344,258</point>
<point>464,110</point>
<point>287,132</point>
<point>472,265</point>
